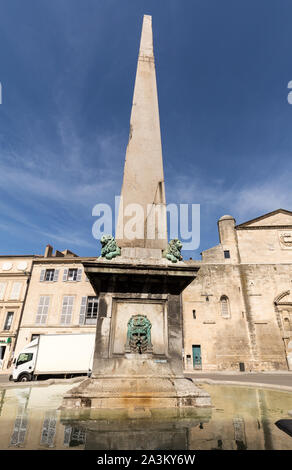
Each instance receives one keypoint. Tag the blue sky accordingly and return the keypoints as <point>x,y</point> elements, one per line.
<point>67,69</point>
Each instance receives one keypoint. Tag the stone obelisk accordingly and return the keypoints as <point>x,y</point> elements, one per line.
<point>143,183</point>
<point>139,338</point>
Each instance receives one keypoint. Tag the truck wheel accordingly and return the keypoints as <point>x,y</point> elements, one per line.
<point>24,378</point>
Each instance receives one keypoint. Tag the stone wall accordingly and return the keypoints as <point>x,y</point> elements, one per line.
<point>252,327</point>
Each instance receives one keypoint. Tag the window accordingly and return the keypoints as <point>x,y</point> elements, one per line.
<point>91,311</point>
<point>194,314</point>
<point>67,308</point>
<point>226,254</point>
<point>49,275</point>
<point>43,309</point>
<point>225,313</point>
<point>88,311</point>
<point>72,275</point>
<point>23,358</point>
<point>15,292</point>
<point>8,321</point>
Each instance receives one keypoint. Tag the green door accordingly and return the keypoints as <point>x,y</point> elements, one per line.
<point>197,359</point>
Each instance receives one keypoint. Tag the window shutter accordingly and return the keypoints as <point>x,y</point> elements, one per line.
<point>79,274</point>
<point>82,311</point>
<point>42,276</point>
<point>65,274</point>
<point>43,308</point>
<point>56,275</point>
<point>2,290</point>
<point>15,291</point>
<point>67,308</point>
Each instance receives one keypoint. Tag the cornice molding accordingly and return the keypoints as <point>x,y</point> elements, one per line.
<point>264,227</point>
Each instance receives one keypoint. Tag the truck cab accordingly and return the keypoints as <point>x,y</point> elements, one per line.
<point>24,363</point>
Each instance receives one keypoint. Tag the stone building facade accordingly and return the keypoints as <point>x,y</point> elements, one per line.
<point>59,299</point>
<point>238,312</point>
<point>14,276</point>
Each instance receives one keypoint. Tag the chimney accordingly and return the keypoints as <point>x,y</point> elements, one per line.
<point>48,251</point>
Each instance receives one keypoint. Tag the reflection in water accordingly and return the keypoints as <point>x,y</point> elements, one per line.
<point>240,418</point>
<point>49,429</point>
<point>74,436</point>
<point>239,433</point>
<point>20,425</point>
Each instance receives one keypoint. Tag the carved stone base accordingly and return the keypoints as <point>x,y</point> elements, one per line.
<point>129,392</point>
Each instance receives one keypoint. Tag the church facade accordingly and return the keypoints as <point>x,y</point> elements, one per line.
<point>238,312</point>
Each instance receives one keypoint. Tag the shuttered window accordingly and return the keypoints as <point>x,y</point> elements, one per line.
<point>43,308</point>
<point>72,274</point>
<point>91,311</point>
<point>2,290</point>
<point>88,311</point>
<point>67,309</point>
<point>15,292</point>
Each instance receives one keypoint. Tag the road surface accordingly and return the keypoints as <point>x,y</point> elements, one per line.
<point>276,378</point>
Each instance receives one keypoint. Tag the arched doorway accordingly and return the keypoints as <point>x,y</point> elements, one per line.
<point>283,308</point>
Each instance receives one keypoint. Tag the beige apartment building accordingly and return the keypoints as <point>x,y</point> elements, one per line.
<point>238,311</point>
<point>14,278</point>
<point>60,298</point>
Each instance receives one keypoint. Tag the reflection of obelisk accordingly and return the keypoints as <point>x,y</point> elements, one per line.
<point>143,182</point>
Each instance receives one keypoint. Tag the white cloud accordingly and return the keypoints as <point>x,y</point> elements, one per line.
<point>248,201</point>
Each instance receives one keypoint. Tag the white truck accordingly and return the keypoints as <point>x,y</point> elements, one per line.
<point>55,355</point>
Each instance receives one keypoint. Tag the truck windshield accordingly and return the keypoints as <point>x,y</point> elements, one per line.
<point>24,357</point>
